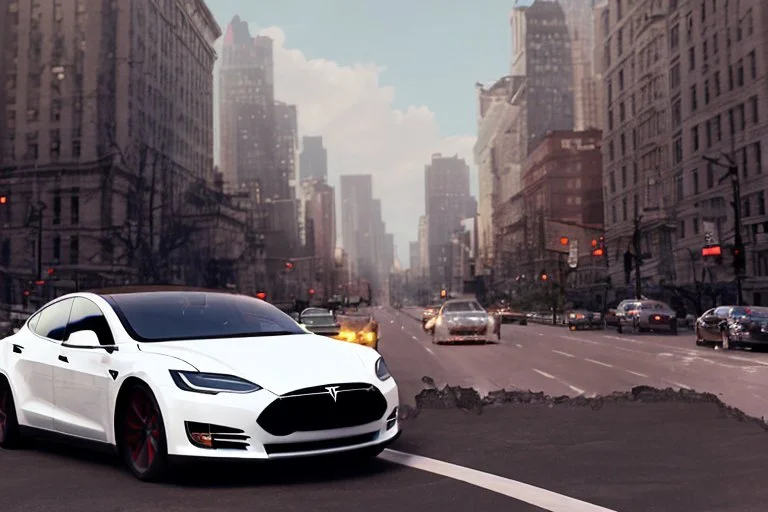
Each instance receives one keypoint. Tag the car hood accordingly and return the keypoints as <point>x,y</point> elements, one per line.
<point>279,364</point>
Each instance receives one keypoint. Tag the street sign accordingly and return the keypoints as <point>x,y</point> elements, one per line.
<point>573,254</point>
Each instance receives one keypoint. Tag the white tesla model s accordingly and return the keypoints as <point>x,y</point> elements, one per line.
<point>159,374</point>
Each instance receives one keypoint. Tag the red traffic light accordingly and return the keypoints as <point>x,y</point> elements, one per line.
<point>594,243</point>
<point>289,265</point>
<point>714,250</point>
<point>261,296</point>
<point>598,252</point>
<point>311,291</point>
<point>443,294</point>
<point>51,271</point>
<point>564,240</point>
<point>39,282</point>
<point>3,199</point>
<point>26,293</point>
<point>544,277</point>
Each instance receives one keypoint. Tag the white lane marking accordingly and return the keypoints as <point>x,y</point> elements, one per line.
<point>638,374</point>
<point>415,338</point>
<point>581,340</point>
<point>566,354</point>
<point>578,390</point>
<point>619,338</point>
<point>391,321</point>
<point>518,345</point>
<point>429,350</point>
<point>598,362</point>
<point>536,496</point>
<point>545,374</point>
<point>540,333</point>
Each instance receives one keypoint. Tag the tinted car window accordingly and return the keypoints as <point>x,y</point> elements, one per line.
<point>168,316</point>
<point>53,320</point>
<point>86,316</point>
<point>32,323</point>
<point>319,321</point>
<point>463,306</point>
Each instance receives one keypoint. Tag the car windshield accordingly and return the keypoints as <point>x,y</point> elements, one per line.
<point>175,316</point>
<point>318,321</point>
<point>464,306</point>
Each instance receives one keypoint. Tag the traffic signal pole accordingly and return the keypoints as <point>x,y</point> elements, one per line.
<point>738,242</point>
<point>638,258</point>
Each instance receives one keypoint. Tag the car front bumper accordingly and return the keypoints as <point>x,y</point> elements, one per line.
<point>240,413</point>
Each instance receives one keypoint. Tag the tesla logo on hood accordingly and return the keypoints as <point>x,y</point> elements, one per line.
<point>333,391</point>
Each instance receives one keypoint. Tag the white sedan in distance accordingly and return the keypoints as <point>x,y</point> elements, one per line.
<point>157,374</point>
<point>463,321</point>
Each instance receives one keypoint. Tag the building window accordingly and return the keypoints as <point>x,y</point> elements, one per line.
<point>691,58</point>
<point>677,114</point>
<point>716,79</point>
<point>740,73</point>
<point>623,143</point>
<point>623,176</point>
<point>752,64</point>
<point>695,181</point>
<point>679,186</point>
<point>681,230</point>
<point>761,203</point>
<point>694,101</point>
<point>57,249</point>
<point>624,209</point>
<point>715,45</point>
<point>56,208</point>
<point>75,149</point>
<point>695,137</point>
<point>75,208</point>
<point>677,151</point>
<point>612,181</point>
<point>706,92</point>
<point>74,250</point>
<point>710,176</point>
<point>622,112</point>
<point>758,157</point>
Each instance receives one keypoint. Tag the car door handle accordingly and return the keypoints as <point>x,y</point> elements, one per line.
<point>17,349</point>
<point>63,359</point>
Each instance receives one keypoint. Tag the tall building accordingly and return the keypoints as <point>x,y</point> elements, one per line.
<point>579,15</point>
<point>357,224</point>
<point>640,123</point>
<point>423,238</point>
<point>247,111</point>
<point>320,212</point>
<point>718,85</point>
<point>313,162</point>
<point>548,68</point>
<point>103,137</point>
<point>447,204</point>
<point>414,257</point>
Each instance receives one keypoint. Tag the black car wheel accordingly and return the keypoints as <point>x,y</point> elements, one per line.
<point>9,425</point>
<point>142,435</point>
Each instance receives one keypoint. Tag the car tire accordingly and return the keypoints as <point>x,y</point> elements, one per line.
<point>142,441</point>
<point>699,338</point>
<point>10,437</point>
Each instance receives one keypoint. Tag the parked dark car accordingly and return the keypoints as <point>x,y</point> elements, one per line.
<point>733,326</point>
<point>584,319</point>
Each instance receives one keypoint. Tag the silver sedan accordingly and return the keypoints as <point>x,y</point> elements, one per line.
<point>463,321</point>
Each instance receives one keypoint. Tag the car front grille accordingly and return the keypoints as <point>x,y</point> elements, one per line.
<point>325,444</point>
<point>317,408</point>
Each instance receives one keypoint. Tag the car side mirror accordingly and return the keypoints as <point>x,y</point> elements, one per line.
<point>85,340</point>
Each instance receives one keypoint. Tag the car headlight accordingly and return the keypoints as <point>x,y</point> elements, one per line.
<point>382,372</point>
<point>212,383</point>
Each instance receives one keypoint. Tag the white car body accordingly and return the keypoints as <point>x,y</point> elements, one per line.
<point>465,326</point>
<point>74,390</point>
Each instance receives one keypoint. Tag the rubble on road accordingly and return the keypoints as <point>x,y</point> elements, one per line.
<point>469,400</point>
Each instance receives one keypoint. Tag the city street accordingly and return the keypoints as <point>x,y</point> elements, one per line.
<point>561,362</point>
<point>683,454</point>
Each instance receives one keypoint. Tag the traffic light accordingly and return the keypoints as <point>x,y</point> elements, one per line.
<point>261,296</point>
<point>311,291</point>
<point>25,298</point>
<point>598,247</point>
<point>564,241</point>
<point>711,250</point>
<point>739,259</point>
<point>51,271</point>
<point>289,265</point>
<point>3,199</point>
<point>544,276</point>
<point>443,294</point>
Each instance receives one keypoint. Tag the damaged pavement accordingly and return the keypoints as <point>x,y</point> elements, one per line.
<point>645,449</point>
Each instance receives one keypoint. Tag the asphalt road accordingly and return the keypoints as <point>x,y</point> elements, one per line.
<point>626,455</point>
<point>561,362</point>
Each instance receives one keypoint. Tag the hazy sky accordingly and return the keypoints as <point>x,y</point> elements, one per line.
<point>386,83</point>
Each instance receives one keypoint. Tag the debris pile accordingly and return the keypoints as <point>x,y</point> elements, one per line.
<point>469,400</point>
